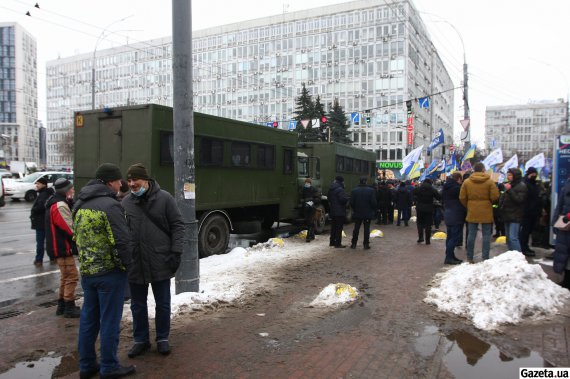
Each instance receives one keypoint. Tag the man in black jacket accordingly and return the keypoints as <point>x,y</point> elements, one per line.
<point>363,203</point>
<point>37,217</point>
<point>424,196</point>
<point>337,203</point>
<point>511,205</point>
<point>533,209</point>
<point>311,198</point>
<point>157,230</point>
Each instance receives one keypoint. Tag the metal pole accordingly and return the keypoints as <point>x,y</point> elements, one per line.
<point>188,275</point>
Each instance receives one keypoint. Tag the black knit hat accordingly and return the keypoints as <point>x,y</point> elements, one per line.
<point>42,180</point>
<point>531,170</point>
<point>339,179</point>
<point>108,172</point>
<point>62,185</point>
<point>137,171</point>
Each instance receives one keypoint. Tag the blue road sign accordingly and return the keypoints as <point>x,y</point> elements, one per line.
<point>355,117</point>
<point>423,102</point>
<point>292,125</point>
<point>269,124</point>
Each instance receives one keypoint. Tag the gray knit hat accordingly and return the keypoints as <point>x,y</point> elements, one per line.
<point>62,185</point>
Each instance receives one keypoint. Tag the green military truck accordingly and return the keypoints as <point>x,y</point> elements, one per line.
<point>246,174</point>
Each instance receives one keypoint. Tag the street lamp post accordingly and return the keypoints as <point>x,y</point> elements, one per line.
<point>94,56</point>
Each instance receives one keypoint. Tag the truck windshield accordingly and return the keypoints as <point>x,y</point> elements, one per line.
<point>309,167</point>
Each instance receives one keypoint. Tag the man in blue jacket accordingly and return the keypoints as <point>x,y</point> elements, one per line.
<point>454,216</point>
<point>363,203</point>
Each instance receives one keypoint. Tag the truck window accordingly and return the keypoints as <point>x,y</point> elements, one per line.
<point>241,154</point>
<point>287,161</point>
<point>339,163</point>
<point>266,156</point>
<point>348,164</point>
<point>303,167</point>
<point>166,142</point>
<point>211,152</point>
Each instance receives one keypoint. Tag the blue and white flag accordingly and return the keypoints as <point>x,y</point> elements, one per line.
<point>513,162</point>
<point>432,166</point>
<point>494,158</point>
<point>438,140</point>
<point>410,159</point>
<point>537,162</point>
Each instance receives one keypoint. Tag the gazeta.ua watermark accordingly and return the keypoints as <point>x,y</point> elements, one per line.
<point>544,372</point>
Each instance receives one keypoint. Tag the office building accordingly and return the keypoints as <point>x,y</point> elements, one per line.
<point>18,94</point>
<point>371,56</point>
<point>527,129</point>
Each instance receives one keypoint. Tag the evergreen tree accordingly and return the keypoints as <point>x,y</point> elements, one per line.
<point>321,134</point>
<point>304,109</point>
<point>338,122</point>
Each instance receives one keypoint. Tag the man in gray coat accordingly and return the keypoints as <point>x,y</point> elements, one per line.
<point>157,230</point>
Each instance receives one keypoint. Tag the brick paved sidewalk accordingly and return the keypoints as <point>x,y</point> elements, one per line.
<point>375,338</point>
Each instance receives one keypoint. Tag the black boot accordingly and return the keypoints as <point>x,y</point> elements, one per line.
<point>71,310</point>
<point>566,281</point>
<point>428,235</point>
<point>60,307</point>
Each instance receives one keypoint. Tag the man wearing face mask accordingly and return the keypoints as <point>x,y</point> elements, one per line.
<point>532,211</point>
<point>157,231</point>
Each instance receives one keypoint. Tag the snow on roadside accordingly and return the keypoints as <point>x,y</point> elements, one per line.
<point>226,278</point>
<point>503,290</point>
<point>335,294</point>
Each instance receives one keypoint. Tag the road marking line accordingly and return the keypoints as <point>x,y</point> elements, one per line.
<point>27,277</point>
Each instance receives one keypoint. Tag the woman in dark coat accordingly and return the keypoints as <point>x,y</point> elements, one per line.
<point>454,216</point>
<point>424,196</point>
<point>562,248</point>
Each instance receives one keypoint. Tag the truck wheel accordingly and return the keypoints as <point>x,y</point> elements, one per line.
<point>213,236</point>
<point>30,196</point>
<point>321,220</point>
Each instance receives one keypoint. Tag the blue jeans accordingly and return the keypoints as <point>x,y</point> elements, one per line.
<point>453,235</point>
<point>102,311</point>
<point>486,230</point>
<point>40,245</point>
<point>512,230</point>
<point>139,308</point>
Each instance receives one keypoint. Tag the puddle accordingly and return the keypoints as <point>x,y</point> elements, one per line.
<point>46,367</point>
<point>469,357</point>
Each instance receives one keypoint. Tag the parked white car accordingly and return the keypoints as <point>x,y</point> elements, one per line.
<point>25,188</point>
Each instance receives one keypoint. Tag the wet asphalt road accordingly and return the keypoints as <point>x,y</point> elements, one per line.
<point>23,285</point>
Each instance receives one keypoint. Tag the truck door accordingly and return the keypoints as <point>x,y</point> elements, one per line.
<point>110,140</point>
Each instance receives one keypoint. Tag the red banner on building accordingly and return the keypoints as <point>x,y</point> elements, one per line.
<point>410,129</point>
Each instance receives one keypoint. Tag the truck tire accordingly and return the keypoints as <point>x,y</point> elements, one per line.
<point>321,220</point>
<point>213,236</point>
<point>30,196</point>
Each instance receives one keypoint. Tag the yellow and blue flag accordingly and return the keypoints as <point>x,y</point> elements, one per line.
<point>470,153</point>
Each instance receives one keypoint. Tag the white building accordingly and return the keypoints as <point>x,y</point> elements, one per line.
<point>370,55</point>
<point>18,95</point>
<point>527,129</point>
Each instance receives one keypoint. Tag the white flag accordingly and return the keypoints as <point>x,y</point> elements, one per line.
<point>411,158</point>
<point>513,162</point>
<point>537,162</point>
<point>495,157</point>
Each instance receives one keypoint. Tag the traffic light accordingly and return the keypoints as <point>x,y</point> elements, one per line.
<point>324,120</point>
<point>275,124</point>
<point>368,119</point>
<point>409,105</point>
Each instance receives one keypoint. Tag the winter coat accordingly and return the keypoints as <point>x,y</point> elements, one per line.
<point>453,211</point>
<point>310,194</point>
<point>100,231</point>
<point>363,202</point>
<point>403,198</point>
<point>562,248</point>
<point>58,222</point>
<point>478,193</point>
<point>337,199</point>
<point>156,254</point>
<point>533,207</point>
<point>38,211</point>
<point>512,202</point>
<point>383,196</point>
<point>424,196</point>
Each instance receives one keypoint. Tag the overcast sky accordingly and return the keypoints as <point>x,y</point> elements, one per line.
<point>517,50</point>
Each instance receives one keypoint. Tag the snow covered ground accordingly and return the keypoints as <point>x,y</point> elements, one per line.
<point>227,278</point>
<point>502,290</point>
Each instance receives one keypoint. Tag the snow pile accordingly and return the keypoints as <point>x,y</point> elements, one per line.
<point>376,233</point>
<point>502,290</point>
<point>335,294</point>
<point>269,245</point>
